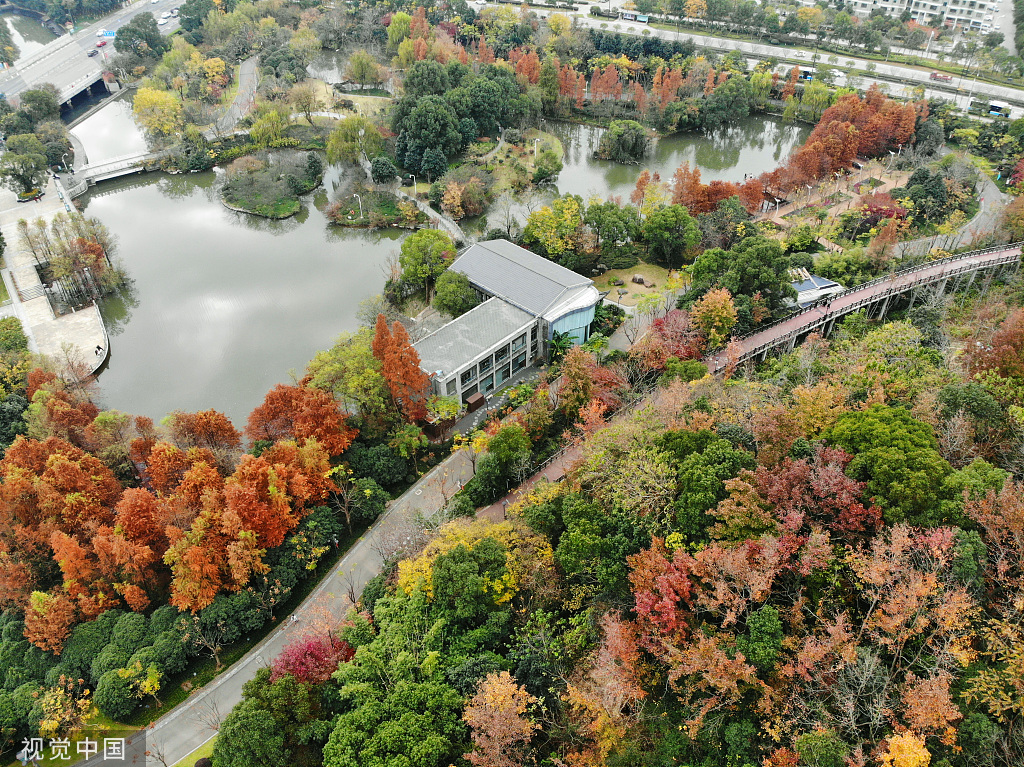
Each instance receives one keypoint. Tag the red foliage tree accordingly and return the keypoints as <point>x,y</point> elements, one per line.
<point>1004,352</point>
<point>208,428</point>
<point>408,384</point>
<point>300,413</point>
<point>311,659</point>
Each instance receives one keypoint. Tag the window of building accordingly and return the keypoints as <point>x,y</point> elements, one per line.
<point>519,362</point>
<point>468,376</point>
<point>486,364</point>
<point>519,343</point>
<point>502,375</point>
<point>467,393</point>
<point>450,388</point>
<point>501,355</point>
<point>487,384</point>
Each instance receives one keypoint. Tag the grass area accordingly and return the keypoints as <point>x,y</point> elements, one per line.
<point>232,90</point>
<point>5,297</point>
<point>651,273</point>
<point>368,106</point>
<point>513,164</point>
<point>205,750</point>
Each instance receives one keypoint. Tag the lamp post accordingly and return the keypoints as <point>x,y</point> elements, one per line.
<point>62,161</point>
<point>413,184</point>
<point>535,148</point>
<point>360,199</point>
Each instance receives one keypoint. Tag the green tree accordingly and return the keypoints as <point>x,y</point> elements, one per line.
<point>763,641</point>
<point>434,164</point>
<point>249,735</point>
<point>141,36</point>
<point>730,101</point>
<point>268,128</point>
<point>383,171</point>
<point>672,235</point>
<point>897,456</point>
<point>399,29</point>
<point>454,295</point>
<point>756,267</point>
<point>546,166</point>
<point>548,84</point>
<point>432,124</point>
<point>424,255</point>
<point>363,69</point>
<point>624,141</point>
<point>426,78</point>
<point>42,103</point>
<point>22,172</point>
<point>354,136</point>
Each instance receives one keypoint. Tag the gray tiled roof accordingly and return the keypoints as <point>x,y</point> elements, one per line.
<point>522,278</point>
<point>465,338</point>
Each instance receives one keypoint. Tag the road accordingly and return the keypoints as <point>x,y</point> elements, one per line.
<point>181,731</point>
<point>65,61</point>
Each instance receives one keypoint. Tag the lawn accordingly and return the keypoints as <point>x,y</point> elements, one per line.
<point>204,750</point>
<point>5,297</point>
<point>651,273</point>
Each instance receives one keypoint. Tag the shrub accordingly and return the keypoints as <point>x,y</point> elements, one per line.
<point>380,463</point>
<point>171,652</point>
<point>131,632</point>
<point>114,696</point>
<point>112,657</point>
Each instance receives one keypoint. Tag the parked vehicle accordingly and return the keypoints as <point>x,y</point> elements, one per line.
<point>941,77</point>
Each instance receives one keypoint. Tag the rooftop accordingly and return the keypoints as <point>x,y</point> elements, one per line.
<point>466,337</point>
<point>522,278</point>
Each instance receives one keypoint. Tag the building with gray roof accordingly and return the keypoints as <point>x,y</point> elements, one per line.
<point>526,300</point>
<point>563,300</point>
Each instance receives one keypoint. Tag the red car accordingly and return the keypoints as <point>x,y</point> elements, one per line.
<point>101,43</point>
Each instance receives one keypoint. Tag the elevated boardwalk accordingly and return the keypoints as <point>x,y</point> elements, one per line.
<point>876,297</point>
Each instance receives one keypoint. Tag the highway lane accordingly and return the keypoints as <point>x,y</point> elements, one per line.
<point>66,63</point>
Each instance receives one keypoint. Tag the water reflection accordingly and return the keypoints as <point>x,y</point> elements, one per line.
<point>752,146</point>
<point>111,132</point>
<point>28,34</point>
<point>222,304</point>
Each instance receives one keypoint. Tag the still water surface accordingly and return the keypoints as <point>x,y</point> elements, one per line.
<point>222,305</point>
<point>27,34</point>
<point>751,146</point>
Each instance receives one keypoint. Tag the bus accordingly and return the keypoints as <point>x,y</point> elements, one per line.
<point>999,109</point>
<point>640,18</point>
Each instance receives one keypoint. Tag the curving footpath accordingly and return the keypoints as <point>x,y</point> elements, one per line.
<point>189,725</point>
<point>874,296</point>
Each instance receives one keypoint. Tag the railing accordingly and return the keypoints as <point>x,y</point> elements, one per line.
<point>817,319</point>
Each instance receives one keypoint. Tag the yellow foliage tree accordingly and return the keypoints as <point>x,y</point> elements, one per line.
<point>528,557</point>
<point>906,750</point>
<point>159,112</point>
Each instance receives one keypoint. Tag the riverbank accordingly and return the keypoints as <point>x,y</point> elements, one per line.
<point>76,342</point>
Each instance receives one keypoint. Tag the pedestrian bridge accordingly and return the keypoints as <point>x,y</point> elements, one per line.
<point>876,297</point>
<point>125,165</point>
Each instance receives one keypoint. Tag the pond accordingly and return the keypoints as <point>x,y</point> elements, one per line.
<point>111,131</point>
<point>748,147</point>
<point>27,33</point>
<point>221,306</point>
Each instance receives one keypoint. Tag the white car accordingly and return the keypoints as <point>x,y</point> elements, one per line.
<point>101,33</point>
<point>161,22</point>
<point>165,15</point>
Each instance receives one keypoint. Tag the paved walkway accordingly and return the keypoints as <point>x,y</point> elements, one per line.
<point>70,338</point>
<point>245,98</point>
<point>188,726</point>
<point>553,471</point>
